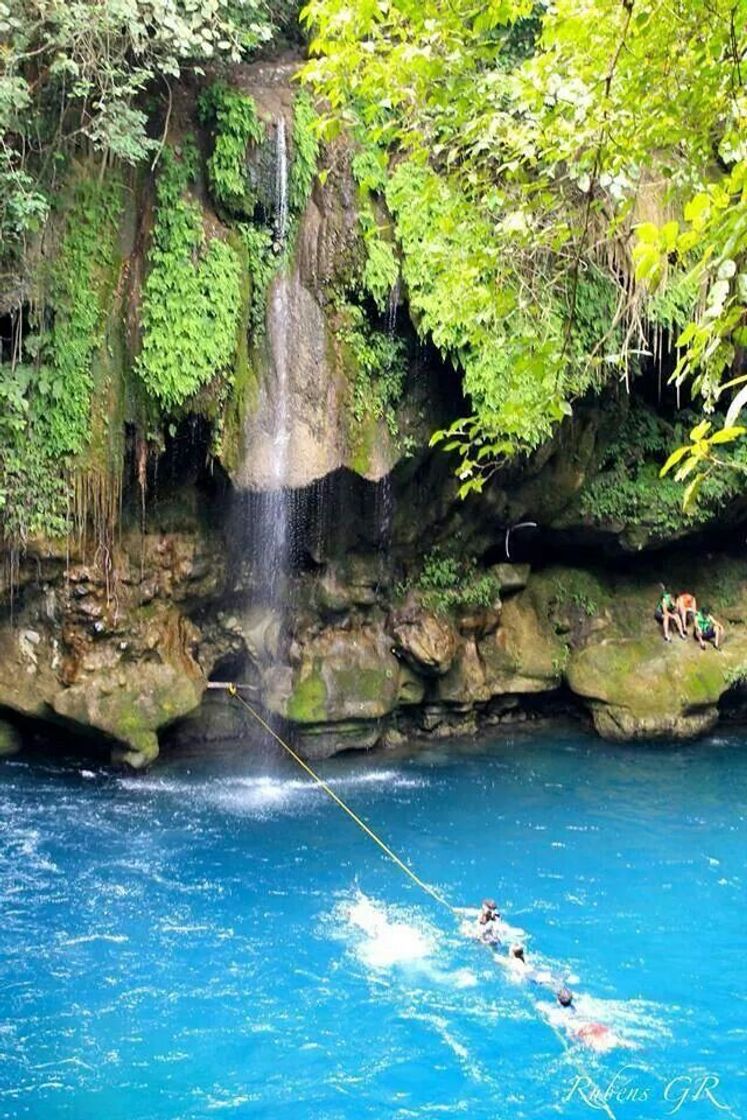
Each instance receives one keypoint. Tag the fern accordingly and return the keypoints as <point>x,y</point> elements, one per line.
<point>191,296</point>
<point>233,116</point>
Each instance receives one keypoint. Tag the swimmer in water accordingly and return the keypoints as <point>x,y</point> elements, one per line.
<point>488,912</point>
<point>518,962</point>
<point>488,921</point>
<point>597,1036</point>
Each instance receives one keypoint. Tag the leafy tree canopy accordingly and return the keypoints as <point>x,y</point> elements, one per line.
<point>77,70</point>
<point>547,164</point>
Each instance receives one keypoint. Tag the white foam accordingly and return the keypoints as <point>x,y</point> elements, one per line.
<point>386,942</point>
<point>258,795</point>
<point>115,938</point>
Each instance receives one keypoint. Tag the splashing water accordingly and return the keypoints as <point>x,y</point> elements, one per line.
<point>218,936</point>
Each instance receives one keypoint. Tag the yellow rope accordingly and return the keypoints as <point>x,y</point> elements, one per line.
<point>232,690</point>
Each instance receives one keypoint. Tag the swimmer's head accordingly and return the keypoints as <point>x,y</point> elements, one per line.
<point>489,904</point>
<point>565,997</point>
<point>517,952</point>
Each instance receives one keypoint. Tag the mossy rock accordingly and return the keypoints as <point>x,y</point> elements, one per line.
<point>647,688</point>
<point>132,704</point>
<point>344,675</point>
<point>524,655</point>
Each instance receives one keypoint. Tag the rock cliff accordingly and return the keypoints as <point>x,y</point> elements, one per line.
<point>403,610</point>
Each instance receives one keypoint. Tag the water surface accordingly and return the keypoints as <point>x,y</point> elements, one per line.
<point>217,937</point>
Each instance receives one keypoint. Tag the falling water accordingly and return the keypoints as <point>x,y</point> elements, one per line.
<point>281,182</point>
<point>274,505</point>
<point>384,493</point>
<point>391,318</point>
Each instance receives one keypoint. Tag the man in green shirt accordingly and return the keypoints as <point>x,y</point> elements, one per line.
<point>666,612</point>
<point>707,629</point>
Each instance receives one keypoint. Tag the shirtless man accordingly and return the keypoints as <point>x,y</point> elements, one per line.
<point>686,607</point>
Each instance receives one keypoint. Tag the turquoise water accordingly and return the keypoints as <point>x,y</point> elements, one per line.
<point>218,938</point>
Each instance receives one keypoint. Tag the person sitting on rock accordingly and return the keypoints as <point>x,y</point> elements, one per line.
<point>707,629</point>
<point>687,608</point>
<point>666,612</point>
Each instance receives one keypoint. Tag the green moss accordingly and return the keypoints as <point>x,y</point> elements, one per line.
<point>261,265</point>
<point>244,388</point>
<point>305,152</point>
<point>363,685</point>
<point>376,361</point>
<point>192,293</point>
<point>308,702</point>
<point>363,441</point>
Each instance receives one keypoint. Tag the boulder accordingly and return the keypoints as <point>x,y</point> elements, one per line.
<point>343,675</point>
<point>424,639</point>
<point>351,582</point>
<point>512,577</point>
<point>131,706</point>
<point>641,688</point>
<point>524,655</point>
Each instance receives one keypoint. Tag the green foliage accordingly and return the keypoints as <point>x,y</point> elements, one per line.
<point>714,241</point>
<point>76,73</point>
<point>191,295</point>
<point>305,152</point>
<point>447,582</point>
<point>381,270</point>
<point>78,288</point>
<point>233,117</point>
<point>699,459</point>
<point>518,176</point>
<point>46,398</point>
<point>673,303</point>
<point>470,299</point>
<point>262,265</point>
<point>630,492</point>
<point>379,360</point>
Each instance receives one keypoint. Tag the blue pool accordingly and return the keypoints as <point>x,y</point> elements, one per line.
<point>217,938</point>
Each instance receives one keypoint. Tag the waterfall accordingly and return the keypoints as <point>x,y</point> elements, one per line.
<point>281,182</point>
<point>274,511</point>
<point>384,493</point>
<point>391,318</point>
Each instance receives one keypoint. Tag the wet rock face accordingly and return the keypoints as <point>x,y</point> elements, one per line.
<point>428,643</point>
<point>114,651</point>
<point>350,667</point>
<point>300,399</point>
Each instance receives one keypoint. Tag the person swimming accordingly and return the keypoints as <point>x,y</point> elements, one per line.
<point>565,997</point>
<point>487,922</point>
<point>595,1035</point>
<point>488,912</point>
